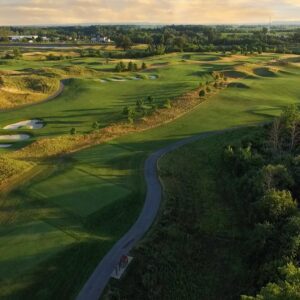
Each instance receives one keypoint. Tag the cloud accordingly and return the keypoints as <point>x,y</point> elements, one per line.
<point>155,11</point>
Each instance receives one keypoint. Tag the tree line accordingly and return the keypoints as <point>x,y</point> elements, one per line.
<point>262,180</point>
<point>164,39</point>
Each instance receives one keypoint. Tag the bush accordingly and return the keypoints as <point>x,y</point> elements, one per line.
<point>96,125</point>
<point>276,205</point>
<point>202,93</point>
<point>168,104</point>
<point>73,131</point>
<point>150,100</point>
<point>144,66</point>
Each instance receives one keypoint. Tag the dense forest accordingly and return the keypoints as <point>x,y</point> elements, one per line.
<point>162,39</point>
<point>263,183</point>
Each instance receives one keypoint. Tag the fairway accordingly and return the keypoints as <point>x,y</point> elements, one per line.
<point>83,202</point>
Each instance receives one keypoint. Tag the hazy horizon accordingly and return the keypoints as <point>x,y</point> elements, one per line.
<point>160,12</point>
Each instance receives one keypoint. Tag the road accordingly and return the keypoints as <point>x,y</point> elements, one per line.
<point>95,285</point>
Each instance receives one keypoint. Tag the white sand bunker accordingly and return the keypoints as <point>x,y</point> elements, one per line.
<point>28,124</point>
<point>14,137</point>
<point>118,79</point>
<point>136,78</point>
<point>5,145</point>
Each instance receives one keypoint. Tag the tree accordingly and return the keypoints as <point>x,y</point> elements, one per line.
<point>118,68</point>
<point>275,141</point>
<point>129,112</point>
<point>202,93</point>
<point>276,205</point>
<point>124,42</point>
<point>135,67</point>
<point>290,117</point>
<point>139,104</point>
<point>73,131</point>
<point>168,104</point>
<point>130,66</point>
<point>123,66</point>
<point>287,288</point>
<point>82,53</point>
<point>144,66</point>
<point>17,53</point>
<point>96,125</point>
<point>276,177</point>
<point>150,100</point>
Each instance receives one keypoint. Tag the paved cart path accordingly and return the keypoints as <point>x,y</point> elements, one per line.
<point>95,285</point>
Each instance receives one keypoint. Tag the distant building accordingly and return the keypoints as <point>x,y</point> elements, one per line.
<point>101,40</point>
<point>45,39</point>
<point>18,38</point>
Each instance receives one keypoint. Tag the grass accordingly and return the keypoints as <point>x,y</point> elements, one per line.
<point>18,89</point>
<point>193,252</point>
<point>94,195</point>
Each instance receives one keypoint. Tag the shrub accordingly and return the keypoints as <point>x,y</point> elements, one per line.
<point>73,131</point>
<point>150,100</point>
<point>202,93</point>
<point>168,104</point>
<point>144,66</point>
<point>277,204</point>
<point>96,125</point>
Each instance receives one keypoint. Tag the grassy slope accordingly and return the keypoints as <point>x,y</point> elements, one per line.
<point>193,252</point>
<point>85,101</point>
<point>119,165</point>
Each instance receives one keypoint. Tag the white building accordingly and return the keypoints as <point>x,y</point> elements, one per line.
<point>18,38</point>
<point>101,40</point>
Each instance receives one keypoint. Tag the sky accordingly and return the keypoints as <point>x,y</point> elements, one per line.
<point>37,12</point>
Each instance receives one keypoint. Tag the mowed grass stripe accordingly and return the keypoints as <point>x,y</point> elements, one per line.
<point>79,192</point>
<point>31,244</point>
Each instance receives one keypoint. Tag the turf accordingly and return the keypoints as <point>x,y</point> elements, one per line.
<point>96,194</point>
<point>193,251</point>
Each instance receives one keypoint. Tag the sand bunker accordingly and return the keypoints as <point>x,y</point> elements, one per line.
<point>28,124</point>
<point>136,78</point>
<point>5,145</point>
<point>153,77</point>
<point>14,137</point>
<point>117,79</point>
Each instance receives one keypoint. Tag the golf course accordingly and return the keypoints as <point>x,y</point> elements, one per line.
<point>75,135</point>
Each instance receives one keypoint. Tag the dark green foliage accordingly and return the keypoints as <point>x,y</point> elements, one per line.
<point>276,205</point>
<point>202,93</point>
<point>139,104</point>
<point>73,131</point>
<point>130,66</point>
<point>96,125</point>
<point>144,66</point>
<point>288,288</point>
<point>168,104</point>
<point>150,100</point>
<point>120,67</point>
<point>124,42</point>
<point>263,183</point>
